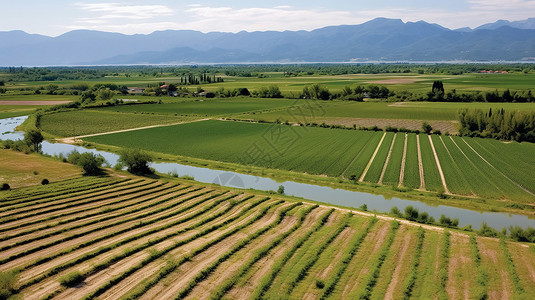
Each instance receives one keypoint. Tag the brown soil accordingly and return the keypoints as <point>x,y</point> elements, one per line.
<point>504,291</point>
<point>372,158</point>
<point>38,270</point>
<point>459,264</point>
<point>439,167</point>
<point>387,160</point>
<point>230,267</point>
<point>400,257</point>
<point>403,159</point>
<point>444,126</point>
<point>420,164</point>
<point>376,238</point>
<point>189,270</point>
<point>99,278</point>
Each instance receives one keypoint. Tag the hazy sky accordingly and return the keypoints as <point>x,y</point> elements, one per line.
<point>54,17</point>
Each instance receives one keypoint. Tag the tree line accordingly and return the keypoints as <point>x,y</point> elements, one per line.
<point>500,124</point>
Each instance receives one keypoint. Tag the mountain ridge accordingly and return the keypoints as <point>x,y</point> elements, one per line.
<point>378,39</point>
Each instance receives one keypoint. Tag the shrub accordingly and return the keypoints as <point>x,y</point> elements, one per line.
<point>411,213</point>
<point>320,284</point>
<point>71,279</point>
<point>485,230</point>
<point>7,284</point>
<point>280,190</point>
<point>136,161</point>
<point>5,187</point>
<point>426,127</point>
<point>395,212</point>
<point>91,163</point>
<point>45,181</point>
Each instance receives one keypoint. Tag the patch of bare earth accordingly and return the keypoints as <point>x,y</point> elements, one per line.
<point>458,268</point>
<point>175,282</point>
<point>443,126</point>
<point>230,267</point>
<point>396,275</point>
<point>489,253</point>
<point>264,265</point>
<point>376,238</point>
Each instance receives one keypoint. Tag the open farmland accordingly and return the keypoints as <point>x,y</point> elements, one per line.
<point>204,107</point>
<point>82,122</point>
<point>458,167</point>
<point>140,238</point>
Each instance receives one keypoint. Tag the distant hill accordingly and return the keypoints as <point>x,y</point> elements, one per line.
<point>524,24</point>
<point>378,39</point>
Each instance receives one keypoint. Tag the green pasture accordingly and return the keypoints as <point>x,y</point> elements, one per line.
<point>416,83</point>
<point>204,107</point>
<point>82,122</point>
<point>379,110</point>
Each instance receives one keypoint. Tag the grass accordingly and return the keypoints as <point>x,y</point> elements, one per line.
<point>379,161</point>
<point>204,107</point>
<point>82,122</point>
<point>394,165</point>
<point>431,175</point>
<point>21,170</point>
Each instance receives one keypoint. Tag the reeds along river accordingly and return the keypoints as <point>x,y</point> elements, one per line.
<point>307,191</point>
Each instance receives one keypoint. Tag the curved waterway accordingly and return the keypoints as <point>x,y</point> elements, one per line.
<point>318,193</point>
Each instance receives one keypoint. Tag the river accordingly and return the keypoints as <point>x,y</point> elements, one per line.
<point>317,193</point>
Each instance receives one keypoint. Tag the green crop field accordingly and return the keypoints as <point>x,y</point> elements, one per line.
<point>205,107</point>
<point>347,153</point>
<point>82,122</point>
<point>139,238</point>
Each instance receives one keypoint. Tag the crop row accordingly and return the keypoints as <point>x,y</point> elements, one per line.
<point>219,244</point>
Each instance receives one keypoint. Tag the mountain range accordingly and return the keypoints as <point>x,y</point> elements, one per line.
<point>380,39</point>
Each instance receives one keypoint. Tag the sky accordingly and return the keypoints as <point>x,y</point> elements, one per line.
<point>55,17</point>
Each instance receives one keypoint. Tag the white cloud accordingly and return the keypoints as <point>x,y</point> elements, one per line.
<point>229,19</point>
<point>125,11</point>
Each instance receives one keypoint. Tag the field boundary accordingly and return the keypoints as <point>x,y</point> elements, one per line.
<point>72,140</point>
<point>387,160</point>
<point>420,164</point>
<point>403,159</point>
<point>361,179</point>
<point>446,190</point>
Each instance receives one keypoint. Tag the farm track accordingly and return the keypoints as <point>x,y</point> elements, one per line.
<point>387,160</point>
<point>361,179</point>
<point>168,240</point>
<point>420,164</point>
<point>403,160</point>
<point>437,160</point>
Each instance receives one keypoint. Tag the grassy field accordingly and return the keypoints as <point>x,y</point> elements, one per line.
<point>205,107</point>
<point>82,122</point>
<point>139,238</point>
<point>467,170</point>
<point>19,169</point>
<point>414,82</point>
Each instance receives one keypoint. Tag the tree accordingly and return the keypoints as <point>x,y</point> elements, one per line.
<point>33,137</point>
<point>136,161</point>
<point>91,163</point>
<point>5,187</point>
<point>438,87</point>
<point>88,96</point>
<point>426,127</point>
<point>104,94</point>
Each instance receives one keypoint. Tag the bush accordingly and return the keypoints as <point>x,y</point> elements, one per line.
<point>320,284</point>
<point>136,161</point>
<point>7,284</point>
<point>91,163</point>
<point>411,213</point>
<point>395,212</point>
<point>280,190</point>
<point>71,279</point>
<point>426,127</point>
<point>45,182</point>
<point>5,187</point>
<point>485,230</point>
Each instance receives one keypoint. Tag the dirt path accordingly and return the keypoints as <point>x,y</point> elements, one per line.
<point>34,102</point>
<point>361,179</point>
<point>446,190</point>
<point>403,159</point>
<point>458,265</point>
<point>399,266</point>
<point>73,140</point>
<point>490,260</point>
<point>387,160</point>
<point>420,164</point>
